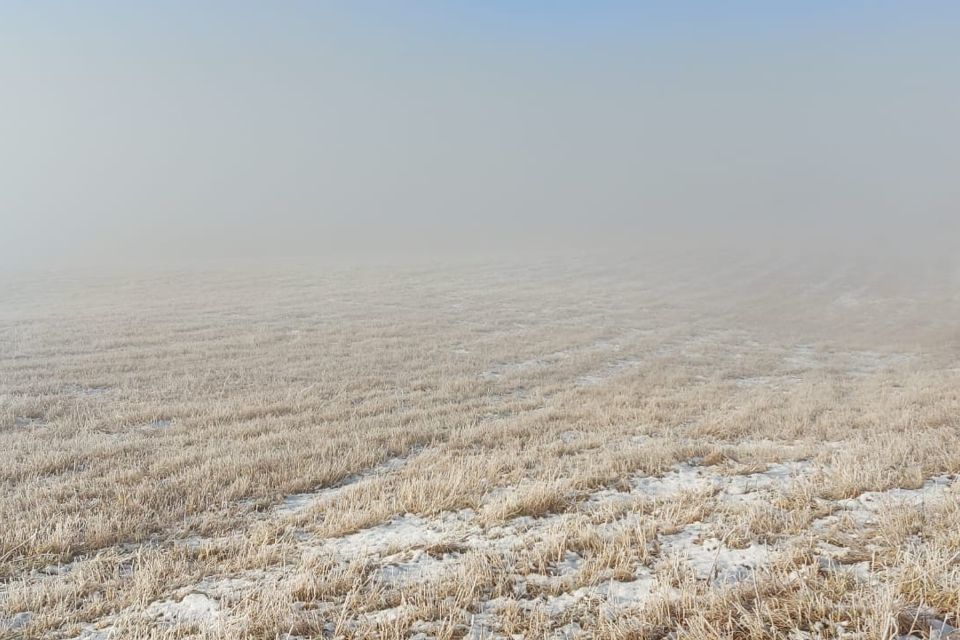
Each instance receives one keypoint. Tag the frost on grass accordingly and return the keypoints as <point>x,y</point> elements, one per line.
<point>636,450</point>
<point>609,371</point>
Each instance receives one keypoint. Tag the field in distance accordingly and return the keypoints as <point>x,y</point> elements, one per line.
<point>653,448</point>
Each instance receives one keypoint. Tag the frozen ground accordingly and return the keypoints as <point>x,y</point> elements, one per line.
<point>562,453</point>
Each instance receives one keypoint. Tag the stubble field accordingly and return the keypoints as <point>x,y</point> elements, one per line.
<point>654,448</point>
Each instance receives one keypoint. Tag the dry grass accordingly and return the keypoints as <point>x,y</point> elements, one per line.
<point>657,449</point>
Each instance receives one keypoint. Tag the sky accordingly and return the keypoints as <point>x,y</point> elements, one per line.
<point>141,133</point>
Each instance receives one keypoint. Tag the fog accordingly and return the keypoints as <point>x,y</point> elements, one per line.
<point>134,133</point>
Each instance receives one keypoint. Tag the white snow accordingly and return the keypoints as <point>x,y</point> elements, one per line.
<point>195,609</point>
<point>397,547</point>
<point>16,622</point>
<point>299,501</point>
<point>710,558</point>
<point>863,509</point>
<point>407,568</point>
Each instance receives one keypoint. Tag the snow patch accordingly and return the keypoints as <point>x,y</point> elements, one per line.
<point>615,595</point>
<point>300,501</point>
<point>418,567</point>
<point>16,622</point>
<point>399,533</point>
<point>710,558</point>
<point>388,616</point>
<point>196,609</point>
<point>862,510</point>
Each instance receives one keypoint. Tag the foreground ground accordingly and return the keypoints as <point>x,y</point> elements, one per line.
<point>649,449</point>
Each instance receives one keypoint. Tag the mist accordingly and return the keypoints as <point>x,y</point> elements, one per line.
<point>479,319</point>
<point>135,134</point>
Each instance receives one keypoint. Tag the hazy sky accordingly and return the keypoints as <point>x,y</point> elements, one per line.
<point>142,131</point>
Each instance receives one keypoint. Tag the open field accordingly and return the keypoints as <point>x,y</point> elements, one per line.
<point>737,448</point>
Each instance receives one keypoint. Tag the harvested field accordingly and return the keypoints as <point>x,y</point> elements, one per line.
<point>653,448</point>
